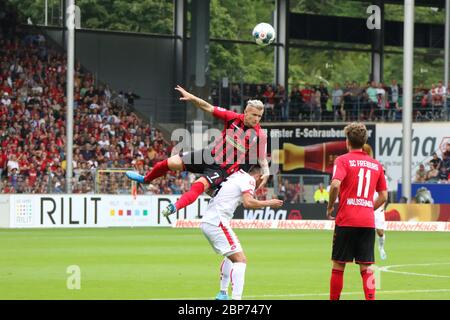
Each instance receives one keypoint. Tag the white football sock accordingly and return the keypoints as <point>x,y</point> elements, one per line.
<point>381,241</point>
<point>225,270</point>
<point>237,280</point>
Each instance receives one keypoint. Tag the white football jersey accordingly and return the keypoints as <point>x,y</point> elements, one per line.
<point>380,220</point>
<point>221,208</point>
<point>381,208</point>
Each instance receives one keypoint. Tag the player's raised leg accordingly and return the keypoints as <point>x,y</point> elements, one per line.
<point>197,188</point>
<point>174,163</point>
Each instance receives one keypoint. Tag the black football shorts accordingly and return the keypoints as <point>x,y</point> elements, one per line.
<point>195,162</point>
<point>353,244</point>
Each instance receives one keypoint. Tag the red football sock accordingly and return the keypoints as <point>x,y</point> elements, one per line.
<point>160,169</point>
<point>368,280</point>
<point>336,284</point>
<point>189,197</point>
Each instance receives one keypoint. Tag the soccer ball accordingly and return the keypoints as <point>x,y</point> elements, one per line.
<point>264,34</point>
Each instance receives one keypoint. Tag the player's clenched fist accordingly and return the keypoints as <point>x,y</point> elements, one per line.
<point>275,203</point>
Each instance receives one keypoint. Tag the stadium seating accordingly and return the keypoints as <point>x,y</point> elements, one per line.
<point>107,134</point>
<point>315,102</point>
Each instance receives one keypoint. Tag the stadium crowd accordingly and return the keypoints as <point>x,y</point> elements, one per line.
<point>369,101</point>
<point>438,169</point>
<point>107,134</point>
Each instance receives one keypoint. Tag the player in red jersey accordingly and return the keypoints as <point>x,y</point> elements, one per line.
<point>241,145</point>
<point>355,179</point>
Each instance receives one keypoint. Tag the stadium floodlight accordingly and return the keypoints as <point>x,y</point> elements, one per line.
<point>447,42</point>
<point>46,12</point>
<point>408,65</point>
<point>70,23</point>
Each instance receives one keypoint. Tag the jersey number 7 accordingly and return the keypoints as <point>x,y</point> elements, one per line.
<point>215,176</point>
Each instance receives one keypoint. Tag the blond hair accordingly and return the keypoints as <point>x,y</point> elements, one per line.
<point>255,104</point>
<point>356,133</point>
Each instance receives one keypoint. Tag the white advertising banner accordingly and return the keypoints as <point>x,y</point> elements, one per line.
<point>55,211</point>
<point>410,226</point>
<point>427,138</point>
<point>145,211</point>
<point>98,211</point>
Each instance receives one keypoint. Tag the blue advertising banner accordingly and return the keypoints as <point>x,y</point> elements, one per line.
<point>428,193</point>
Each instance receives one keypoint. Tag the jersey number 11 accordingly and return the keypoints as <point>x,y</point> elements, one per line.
<point>361,183</point>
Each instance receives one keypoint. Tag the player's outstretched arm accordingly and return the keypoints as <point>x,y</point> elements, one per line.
<point>199,103</point>
<point>251,203</point>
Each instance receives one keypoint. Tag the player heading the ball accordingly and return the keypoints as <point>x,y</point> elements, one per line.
<point>241,145</point>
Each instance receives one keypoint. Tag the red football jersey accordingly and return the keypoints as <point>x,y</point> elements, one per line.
<point>360,177</point>
<point>239,144</point>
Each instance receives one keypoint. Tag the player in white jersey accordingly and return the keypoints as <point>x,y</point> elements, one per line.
<point>380,226</point>
<point>238,188</point>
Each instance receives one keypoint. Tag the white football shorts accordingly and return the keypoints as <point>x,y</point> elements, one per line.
<point>222,238</point>
<point>380,222</point>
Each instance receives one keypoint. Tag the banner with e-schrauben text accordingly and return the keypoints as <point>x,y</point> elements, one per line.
<point>311,149</point>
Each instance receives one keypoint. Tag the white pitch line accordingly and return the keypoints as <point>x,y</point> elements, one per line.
<point>383,269</point>
<point>387,269</point>
<point>299,295</point>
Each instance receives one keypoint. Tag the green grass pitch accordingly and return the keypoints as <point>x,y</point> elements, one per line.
<point>165,263</point>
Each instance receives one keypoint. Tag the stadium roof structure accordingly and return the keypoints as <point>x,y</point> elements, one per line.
<point>352,34</point>
<point>419,3</point>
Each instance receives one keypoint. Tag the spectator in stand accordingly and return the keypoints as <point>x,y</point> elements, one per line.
<point>321,195</point>
<point>436,161</point>
<point>447,102</point>
<point>6,99</point>
<point>291,195</point>
<point>236,97</point>
<point>446,152</point>
<point>281,106</point>
<point>421,175</point>
<point>324,96</point>
<point>259,93</point>
<point>261,193</point>
<point>295,103</point>
<point>349,107</point>
<point>338,102</point>
<point>316,106</point>
<point>419,108</point>
<point>432,174</point>
<point>446,162</point>
<point>12,164</point>
<point>3,162</point>
<point>269,105</point>
<point>307,97</point>
<point>443,175</point>
<point>438,97</point>
<point>248,93</point>
<point>373,99</point>
<point>130,96</point>
<point>394,93</point>
<point>381,102</point>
